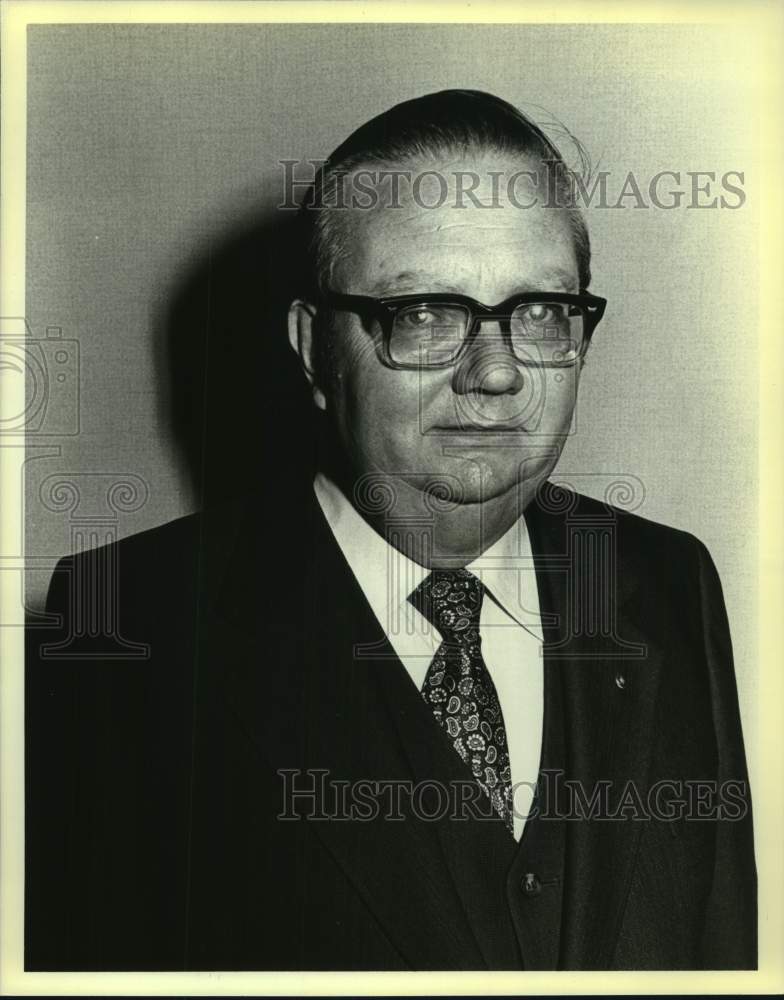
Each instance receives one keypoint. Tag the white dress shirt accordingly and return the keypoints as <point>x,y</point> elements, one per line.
<point>510,624</point>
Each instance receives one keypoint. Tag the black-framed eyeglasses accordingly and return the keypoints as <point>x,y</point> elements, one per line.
<point>433,330</point>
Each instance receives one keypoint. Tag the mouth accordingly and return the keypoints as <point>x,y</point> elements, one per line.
<point>469,428</point>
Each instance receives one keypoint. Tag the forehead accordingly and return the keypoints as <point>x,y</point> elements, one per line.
<point>479,224</point>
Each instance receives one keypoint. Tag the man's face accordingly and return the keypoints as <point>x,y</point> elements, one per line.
<point>489,422</point>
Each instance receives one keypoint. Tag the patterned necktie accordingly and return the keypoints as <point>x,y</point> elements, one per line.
<point>458,686</point>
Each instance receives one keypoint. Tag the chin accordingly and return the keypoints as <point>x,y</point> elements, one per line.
<point>481,480</point>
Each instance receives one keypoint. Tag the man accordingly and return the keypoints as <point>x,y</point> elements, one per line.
<point>432,712</point>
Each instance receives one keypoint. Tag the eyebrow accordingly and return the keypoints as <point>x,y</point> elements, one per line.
<point>559,276</point>
<point>413,281</point>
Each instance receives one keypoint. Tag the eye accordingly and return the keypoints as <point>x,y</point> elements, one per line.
<point>541,314</point>
<point>541,320</point>
<point>418,318</point>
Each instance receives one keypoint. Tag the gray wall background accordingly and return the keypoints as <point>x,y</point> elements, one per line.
<point>147,145</point>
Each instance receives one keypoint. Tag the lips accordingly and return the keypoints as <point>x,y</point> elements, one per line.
<point>466,428</point>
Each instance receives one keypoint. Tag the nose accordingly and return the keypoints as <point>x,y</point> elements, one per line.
<point>488,367</point>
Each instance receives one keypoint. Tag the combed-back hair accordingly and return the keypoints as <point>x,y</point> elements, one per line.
<point>427,127</point>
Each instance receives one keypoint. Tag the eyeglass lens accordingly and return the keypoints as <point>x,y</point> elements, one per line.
<point>540,333</point>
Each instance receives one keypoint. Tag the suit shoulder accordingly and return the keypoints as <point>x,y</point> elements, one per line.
<point>173,540</point>
<point>168,555</point>
<point>163,544</point>
<point>632,529</point>
<point>631,521</point>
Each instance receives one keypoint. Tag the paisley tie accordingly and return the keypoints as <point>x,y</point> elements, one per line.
<point>458,686</point>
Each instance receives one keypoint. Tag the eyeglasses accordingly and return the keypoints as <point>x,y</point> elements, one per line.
<point>431,330</point>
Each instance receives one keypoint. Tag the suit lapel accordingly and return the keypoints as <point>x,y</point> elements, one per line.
<point>610,674</point>
<point>290,672</point>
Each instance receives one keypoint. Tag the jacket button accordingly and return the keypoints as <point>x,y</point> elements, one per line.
<point>531,884</point>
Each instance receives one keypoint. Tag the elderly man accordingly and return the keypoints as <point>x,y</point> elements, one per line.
<point>434,713</point>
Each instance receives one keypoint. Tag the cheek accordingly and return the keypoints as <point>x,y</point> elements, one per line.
<point>372,401</point>
<point>560,398</point>
<point>350,372</point>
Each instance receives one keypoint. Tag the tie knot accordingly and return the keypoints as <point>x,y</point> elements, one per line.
<point>451,599</point>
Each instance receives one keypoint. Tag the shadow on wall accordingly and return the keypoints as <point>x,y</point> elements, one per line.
<point>232,391</point>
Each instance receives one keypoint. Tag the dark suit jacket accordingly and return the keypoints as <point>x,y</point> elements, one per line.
<point>237,644</point>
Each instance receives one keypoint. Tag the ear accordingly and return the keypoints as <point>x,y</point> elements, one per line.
<point>302,316</point>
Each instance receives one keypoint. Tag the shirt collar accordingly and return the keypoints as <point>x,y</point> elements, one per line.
<point>507,572</point>
<point>387,576</point>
